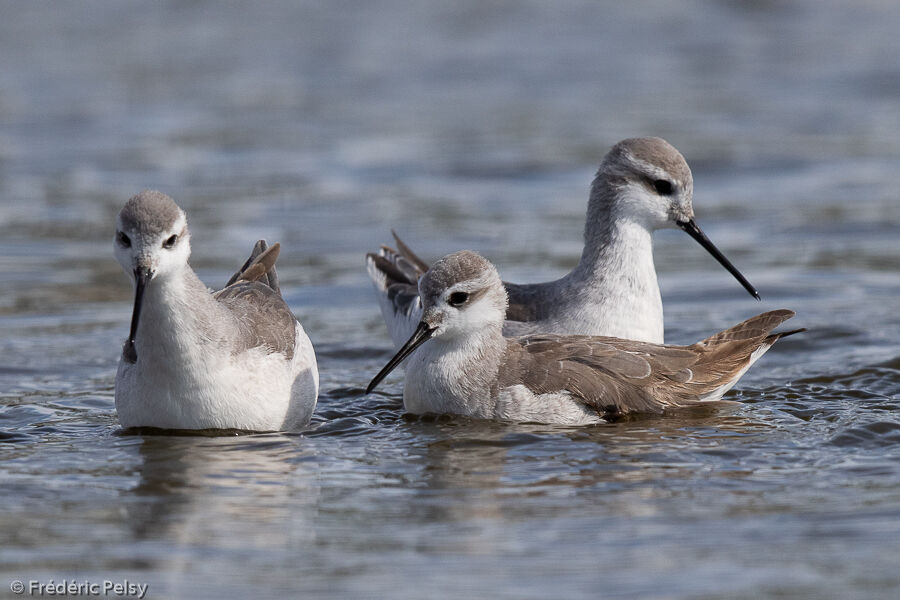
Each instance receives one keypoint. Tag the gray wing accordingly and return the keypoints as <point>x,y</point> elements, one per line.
<point>523,302</point>
<point>253,297</point>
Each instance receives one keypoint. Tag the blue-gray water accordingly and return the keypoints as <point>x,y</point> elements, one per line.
<point>462,124</point>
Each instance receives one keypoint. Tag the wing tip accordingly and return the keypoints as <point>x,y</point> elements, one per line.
<point>783,334</point>
<point>260,265</point>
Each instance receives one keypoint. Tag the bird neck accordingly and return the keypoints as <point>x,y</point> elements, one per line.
<point>616,276</point>
<point>178,313</point>
<point>618,247</point>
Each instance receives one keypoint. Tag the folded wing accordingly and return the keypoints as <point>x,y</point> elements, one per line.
<point>619,377</point>
<point>254,290</point>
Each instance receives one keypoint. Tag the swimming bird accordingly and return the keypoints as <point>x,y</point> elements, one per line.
<point>462,364</point>
<point>643,184</point>
<point>233,359</point>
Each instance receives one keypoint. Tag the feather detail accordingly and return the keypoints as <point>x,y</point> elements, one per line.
<point>619,377</point>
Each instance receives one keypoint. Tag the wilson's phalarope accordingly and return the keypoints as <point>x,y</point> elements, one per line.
<point>233,359</point>
<point>643,184</point>
<point>465,365</point>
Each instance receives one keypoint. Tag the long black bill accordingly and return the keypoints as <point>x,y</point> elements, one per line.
<point>692,229</point>
<point>422,334</point>
<point>141,278</point>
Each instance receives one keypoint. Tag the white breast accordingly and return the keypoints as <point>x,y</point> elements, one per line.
<point>209,388</point>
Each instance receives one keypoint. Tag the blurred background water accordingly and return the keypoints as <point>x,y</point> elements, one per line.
<point>463,125</point>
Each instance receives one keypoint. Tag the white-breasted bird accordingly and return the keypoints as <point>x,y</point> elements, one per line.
<point>643,184</point>
<point>461,363</point>
<point>233,359</point>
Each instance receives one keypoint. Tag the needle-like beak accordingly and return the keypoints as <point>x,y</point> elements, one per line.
<point>692,229</point>
<point>142,276</point>
<point>422,334</point>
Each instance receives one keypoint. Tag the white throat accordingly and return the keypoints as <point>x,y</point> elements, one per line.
<point>616,280</point>
<point>170,329</point>
<point>454,374</point>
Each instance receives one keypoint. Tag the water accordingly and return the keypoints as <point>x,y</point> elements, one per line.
<point>464,125</point>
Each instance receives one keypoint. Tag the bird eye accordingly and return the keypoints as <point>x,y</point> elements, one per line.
<point>123,239</point>
<point>663,187</point>
<point>170,242</point>
<point>457,299</point>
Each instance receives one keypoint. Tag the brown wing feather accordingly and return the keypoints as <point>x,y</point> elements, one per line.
<point>760,325</point>
<point>594,370</point>
<point>621,376</point>
<point>260,266</point>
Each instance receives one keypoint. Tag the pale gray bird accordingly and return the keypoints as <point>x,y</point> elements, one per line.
<point>643,184</point>
<point>233,359</point>
<point>464,365</point>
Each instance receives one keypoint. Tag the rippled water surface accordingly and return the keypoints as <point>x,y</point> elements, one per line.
<point>463,125</point>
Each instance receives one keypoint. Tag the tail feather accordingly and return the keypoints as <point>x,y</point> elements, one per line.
<point>399,266</point>
<point>752,328</point>
<point>728,354</point>
<point>260,266</point>
<point>409,255</point>
<point>783,334</point>
<point>391,273</point>
<point>395,274</point>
